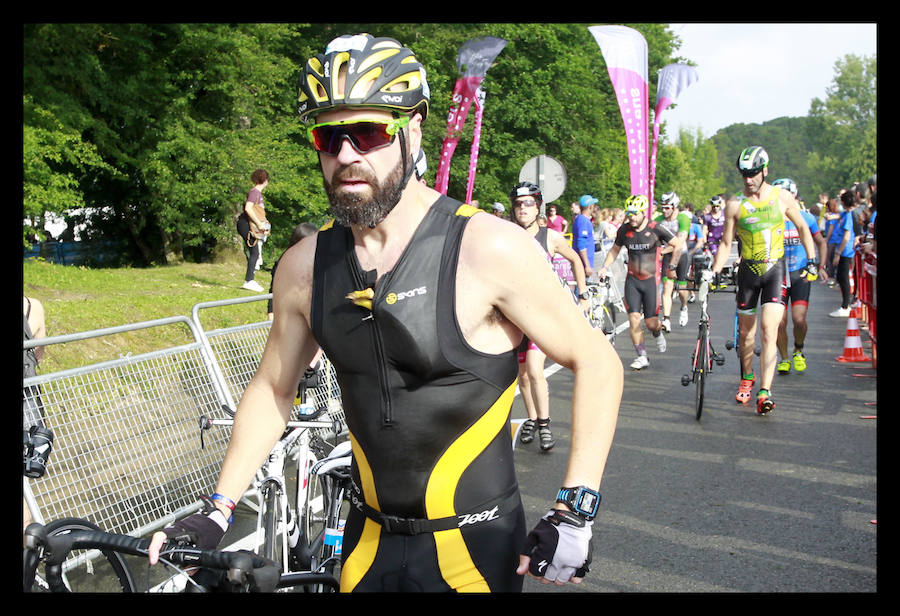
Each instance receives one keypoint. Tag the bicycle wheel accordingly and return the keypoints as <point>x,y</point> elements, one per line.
<point>611,315</point>
<point>271,518</point>
<point>701,368</point>
<point>313,517</point>
<point>85,570</point>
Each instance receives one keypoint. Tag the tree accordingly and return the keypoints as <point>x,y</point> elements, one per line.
<point>843,127</point>
<point>161,124</point>
<point>689,167</point>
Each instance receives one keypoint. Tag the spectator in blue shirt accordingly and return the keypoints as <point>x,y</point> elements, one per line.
<point>583,232</point>
<point>843,236</point>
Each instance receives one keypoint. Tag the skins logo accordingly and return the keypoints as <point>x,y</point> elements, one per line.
<point>393,298</point>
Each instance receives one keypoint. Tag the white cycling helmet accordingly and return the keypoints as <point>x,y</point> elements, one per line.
<point>670,198</point>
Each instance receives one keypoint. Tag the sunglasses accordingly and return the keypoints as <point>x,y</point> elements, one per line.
<point>365,135</point>
<point>749,173</point>
<point>525,203</point>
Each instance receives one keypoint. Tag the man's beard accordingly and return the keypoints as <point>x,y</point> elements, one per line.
<point>354,209</point>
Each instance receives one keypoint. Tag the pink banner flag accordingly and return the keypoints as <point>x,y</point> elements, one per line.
<point>673,80</point>
<point>625,52</point>
<point>476,141</point>
<point>474,59</point>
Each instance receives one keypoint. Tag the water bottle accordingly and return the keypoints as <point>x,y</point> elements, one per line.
<point>335,537</point>
<point>38,445</point>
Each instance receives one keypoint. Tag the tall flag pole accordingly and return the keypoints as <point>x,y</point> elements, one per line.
<point>673,80</point>
<point>474,59</point>
<point>476,142</point>
<point>625,52</point>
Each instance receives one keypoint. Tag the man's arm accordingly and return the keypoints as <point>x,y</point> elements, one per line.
<point>267,401</point>
<point>521,286</point>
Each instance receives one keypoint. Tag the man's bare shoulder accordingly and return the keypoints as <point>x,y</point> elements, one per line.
<point>487,235</point>
<point>294,274</point>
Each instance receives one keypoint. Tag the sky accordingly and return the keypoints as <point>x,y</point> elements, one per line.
<point>752,73</point>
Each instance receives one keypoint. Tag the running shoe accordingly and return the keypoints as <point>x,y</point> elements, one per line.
<point>840,312</point>
<point>642,361</point>
<point>252,285</point>
<point>526,434</point>
<point>744,390</point>
<point>661,342</point>
<point>764,403</point>
<point>683,317</point>
<point>667,324</point>
<point>799,361</point>
<point>784,367</point>
<point>692,298</point>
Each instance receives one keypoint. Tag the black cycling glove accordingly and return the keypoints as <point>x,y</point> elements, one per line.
<point>559,546</point>
<point>204,530</point>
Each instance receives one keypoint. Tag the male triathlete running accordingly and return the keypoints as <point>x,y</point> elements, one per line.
<point>713,225</point>
<point>798,295</point>
<point>643,239</point>
<point>420,303</point>
<point>675,264</point>
<point>526,199</point>
<point>757,219</point>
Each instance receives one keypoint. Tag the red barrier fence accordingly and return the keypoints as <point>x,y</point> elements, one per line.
<point>865,268</point>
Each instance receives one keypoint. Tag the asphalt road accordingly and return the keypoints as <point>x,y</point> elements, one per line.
<point>735,502</point>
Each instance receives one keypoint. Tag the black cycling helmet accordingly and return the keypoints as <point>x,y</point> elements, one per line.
<point>380,72</point>
<point>752,160</point>
<point>716,201</point>
<point>526,189</point>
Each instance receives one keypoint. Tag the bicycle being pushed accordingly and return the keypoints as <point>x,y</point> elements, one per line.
<point>704,355</point>
<point>208,570</point>
<point>603,307</point>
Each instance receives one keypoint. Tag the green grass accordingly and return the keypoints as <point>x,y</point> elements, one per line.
<point>78,299</point>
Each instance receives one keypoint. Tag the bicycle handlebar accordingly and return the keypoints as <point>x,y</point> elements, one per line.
<point>243,570</point>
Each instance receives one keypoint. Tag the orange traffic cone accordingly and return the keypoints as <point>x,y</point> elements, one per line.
<point>853,350</point>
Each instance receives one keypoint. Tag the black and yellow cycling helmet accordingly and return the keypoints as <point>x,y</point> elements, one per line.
<point>379,71</point>
<point>636,204</point>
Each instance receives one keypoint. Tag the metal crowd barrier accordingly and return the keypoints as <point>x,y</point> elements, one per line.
<point>865,273</point>
<point>126,451</point>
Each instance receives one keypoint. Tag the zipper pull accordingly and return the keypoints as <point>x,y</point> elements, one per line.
<point>362,298</point>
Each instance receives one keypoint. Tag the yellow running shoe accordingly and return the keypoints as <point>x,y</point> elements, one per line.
<point>784,367</point>
<point>799,361</point>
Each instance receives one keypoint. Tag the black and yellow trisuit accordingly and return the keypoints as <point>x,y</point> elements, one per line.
<point>437,502</point>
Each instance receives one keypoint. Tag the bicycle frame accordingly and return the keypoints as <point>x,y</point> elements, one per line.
<point>295,444</point>
<point>239,571</point>
<point>704,354</point>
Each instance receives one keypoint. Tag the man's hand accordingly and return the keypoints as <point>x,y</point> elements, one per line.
<point>203,530</point>
<point>558,550</point>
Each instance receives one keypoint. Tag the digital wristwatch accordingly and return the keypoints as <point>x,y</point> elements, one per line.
<point>580,500</point>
